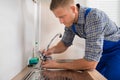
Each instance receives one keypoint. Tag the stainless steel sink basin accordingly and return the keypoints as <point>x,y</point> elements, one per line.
<point>53,74</point>
<point>34,74</point>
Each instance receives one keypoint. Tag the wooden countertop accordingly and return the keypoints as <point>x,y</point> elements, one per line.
<point>22,74</point>
<point>52,74</point>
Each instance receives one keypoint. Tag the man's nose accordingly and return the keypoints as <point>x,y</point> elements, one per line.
<point>61,21</point>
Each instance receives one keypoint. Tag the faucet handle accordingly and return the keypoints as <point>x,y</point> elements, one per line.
<point>44,57</point>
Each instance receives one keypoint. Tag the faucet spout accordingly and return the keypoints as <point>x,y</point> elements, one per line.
<point>45,57</point>
<point>59,34</point>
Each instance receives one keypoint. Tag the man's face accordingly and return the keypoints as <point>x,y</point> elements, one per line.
<point>66,16</point>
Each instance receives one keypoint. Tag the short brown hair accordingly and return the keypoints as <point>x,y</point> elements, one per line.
<point>60,3</point>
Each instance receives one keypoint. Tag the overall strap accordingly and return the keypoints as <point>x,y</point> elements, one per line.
<point>86,13</point>
<point>74,29</point>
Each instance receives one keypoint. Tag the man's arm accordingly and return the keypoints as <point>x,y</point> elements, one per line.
<point>59,48</point>
<point>80,64</point>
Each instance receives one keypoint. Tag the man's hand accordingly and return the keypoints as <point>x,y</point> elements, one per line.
<point>50,64</point>
<point>48,52</point>
<point>59,48</point>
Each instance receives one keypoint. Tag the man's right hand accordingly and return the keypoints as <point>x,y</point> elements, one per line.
<point>48,52</point>
<point>59,48</point>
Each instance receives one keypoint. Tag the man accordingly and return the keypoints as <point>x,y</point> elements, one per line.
<point>102,38</point>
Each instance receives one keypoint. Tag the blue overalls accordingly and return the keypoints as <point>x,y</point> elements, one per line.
<point>109,65</point>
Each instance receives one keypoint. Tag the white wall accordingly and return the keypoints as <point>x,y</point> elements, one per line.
<point>110,7</point>
<point>15,36</point>
<point>81,2</point>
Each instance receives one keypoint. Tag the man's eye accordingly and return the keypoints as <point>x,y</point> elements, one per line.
<point>62,16</point>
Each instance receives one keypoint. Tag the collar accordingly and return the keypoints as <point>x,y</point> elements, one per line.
<point>81,19</point>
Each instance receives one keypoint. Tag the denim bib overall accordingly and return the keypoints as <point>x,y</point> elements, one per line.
<point>109,64</point>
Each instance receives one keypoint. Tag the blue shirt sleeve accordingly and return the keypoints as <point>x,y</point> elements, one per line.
<point>68,37</point>
<point>94,29</point>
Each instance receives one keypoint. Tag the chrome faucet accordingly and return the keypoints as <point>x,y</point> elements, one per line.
<point>43,56</point>
<point>59,34</point>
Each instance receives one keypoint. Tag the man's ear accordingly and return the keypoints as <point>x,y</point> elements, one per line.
<point>73,8</point>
